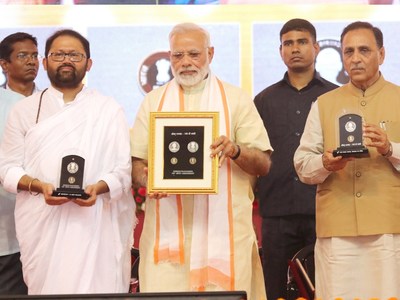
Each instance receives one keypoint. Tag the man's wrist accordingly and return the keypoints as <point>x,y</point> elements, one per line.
<point>30,187</point>
<point>237,153</point>
<point>143,180</point>
<point>389,152</point>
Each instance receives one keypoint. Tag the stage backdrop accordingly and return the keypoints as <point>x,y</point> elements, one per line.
<point>129,43</point>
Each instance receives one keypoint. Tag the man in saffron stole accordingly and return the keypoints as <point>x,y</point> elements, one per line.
<point>70,245</point>
<point>203,242</point>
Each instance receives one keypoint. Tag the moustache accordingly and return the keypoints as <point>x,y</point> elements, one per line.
<point>190,69</point>
<point>65,65</point>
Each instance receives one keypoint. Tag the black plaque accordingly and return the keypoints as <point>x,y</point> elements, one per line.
<point>183,152</point>
<point>351,137</point>
<point>71,178</point>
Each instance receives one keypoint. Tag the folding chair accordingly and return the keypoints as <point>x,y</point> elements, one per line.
<point>134,283</point>
<point>301,274</point>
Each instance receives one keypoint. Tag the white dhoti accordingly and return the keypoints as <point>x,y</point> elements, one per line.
<point>374,271</point>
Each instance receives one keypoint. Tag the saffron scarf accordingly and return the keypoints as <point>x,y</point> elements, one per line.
<point>212,251</point>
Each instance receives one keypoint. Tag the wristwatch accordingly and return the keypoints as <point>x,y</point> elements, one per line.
<point>390,151</point>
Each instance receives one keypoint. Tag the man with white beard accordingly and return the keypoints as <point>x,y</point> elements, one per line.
<point>227,258</point>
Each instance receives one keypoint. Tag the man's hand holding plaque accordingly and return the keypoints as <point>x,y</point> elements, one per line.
<point>351,137</point>
<point>71,178</point>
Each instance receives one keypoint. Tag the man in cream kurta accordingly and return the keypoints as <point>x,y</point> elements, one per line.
<point>70,245</point>
<point>357,204</point>
<point>247,130</point>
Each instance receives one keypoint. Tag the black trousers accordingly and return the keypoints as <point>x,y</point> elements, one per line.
<point>282,238</point>
<point>11,280</point>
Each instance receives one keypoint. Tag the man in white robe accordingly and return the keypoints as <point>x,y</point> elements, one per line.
<point>70,245</point>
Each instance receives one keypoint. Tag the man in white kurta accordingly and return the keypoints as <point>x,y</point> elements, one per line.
<point>9,248</point>
<point>245,128</point>
<point>20,64</point>
<point>70,245</point>
<point>357,202</point>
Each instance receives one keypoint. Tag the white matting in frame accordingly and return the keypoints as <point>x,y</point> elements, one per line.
<point>179,153</point>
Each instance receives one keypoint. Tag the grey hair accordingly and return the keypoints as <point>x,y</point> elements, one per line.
<point>188,27</point>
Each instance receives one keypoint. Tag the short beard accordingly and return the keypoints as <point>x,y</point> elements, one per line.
<point>66,80</point>
<point>191,80</point>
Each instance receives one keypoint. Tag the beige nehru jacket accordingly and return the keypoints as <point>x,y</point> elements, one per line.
<point>364,197</point>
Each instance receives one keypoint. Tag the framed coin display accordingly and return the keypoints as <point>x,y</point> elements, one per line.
<point>179,153</point>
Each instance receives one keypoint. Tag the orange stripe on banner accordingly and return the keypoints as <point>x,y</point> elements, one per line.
<point>230,220</point>
<point>223,280</point>
<point>160,105</point>
<point>229,178</point>
<point>200,277</point>
<point>226,110</point>
<point>230,217</point>
<point>181,99</point>
<point>178,197</point>
<point>165,254</point>
<point>180,229</point>
<point>157,241</point>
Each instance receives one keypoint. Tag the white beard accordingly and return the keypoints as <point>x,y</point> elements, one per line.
<point>191,80</point>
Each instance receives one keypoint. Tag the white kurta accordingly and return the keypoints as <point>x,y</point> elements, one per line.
<point>69,248</point>
<point>8,240</point>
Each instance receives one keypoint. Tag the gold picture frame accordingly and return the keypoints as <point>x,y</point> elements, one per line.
<point>179,153</point>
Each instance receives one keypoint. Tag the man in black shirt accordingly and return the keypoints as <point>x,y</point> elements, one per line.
<point>287,206</point>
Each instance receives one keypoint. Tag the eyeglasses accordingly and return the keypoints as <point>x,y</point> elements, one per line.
<point>60,56</point>
<point>193,55</point>
<point>25,56</point>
